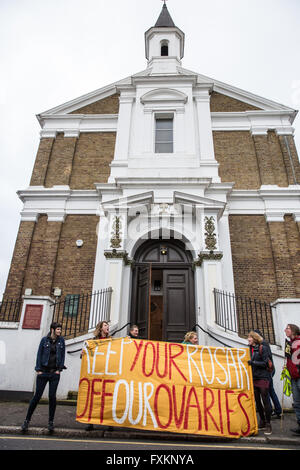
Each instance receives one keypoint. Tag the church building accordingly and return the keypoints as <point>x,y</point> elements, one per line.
<point>167,199</point>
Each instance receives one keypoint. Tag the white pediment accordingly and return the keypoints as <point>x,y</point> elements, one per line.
<point>135,201</point>
<point>163,95</point>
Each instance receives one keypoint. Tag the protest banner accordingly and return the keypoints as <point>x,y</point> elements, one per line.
<point>163,386</point>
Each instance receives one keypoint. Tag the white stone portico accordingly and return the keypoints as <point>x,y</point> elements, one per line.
<point>162,213</point>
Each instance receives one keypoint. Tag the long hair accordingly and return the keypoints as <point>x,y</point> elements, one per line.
<point>189,335</point>
<point>257,338</point>
<point>294,329</point>
<point>98,330</point>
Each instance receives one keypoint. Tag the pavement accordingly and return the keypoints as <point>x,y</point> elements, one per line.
<point>12,415</point>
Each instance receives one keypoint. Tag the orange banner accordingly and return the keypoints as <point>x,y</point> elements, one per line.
<point>163,386</point>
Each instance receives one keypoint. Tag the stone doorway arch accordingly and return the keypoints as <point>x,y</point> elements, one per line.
<point>163,297</point>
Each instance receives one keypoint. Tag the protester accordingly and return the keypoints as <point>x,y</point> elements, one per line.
<point>101,332</point>
<point>277,412</point>
<point>49,364</point>
<point>261,380</point>
<point>292,332</point>
<point>134,332</point>
<point>190,338</point>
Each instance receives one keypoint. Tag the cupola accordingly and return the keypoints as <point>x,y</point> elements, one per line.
<point>164,44</point>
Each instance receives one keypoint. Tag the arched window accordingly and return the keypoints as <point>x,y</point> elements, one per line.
<point>164,50</point>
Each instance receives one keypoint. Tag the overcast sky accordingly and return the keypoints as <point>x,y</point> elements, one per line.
<point>52,51</point>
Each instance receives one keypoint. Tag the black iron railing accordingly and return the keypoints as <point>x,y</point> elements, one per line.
<point>79,313</point>
<point>10,309</point>
<point>241,315</point>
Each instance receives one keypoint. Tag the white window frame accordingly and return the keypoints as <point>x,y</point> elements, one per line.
<point>164,116</point>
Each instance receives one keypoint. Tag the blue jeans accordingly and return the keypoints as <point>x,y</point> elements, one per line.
<point>296,398</point>
<point>274,398</point>
<point>41,382</point>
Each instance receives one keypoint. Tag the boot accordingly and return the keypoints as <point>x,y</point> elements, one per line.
<point>89,427</point>
<point>25,425</point>
<point>268,430</point>
<point>296,430</point>
<point>50,426</point>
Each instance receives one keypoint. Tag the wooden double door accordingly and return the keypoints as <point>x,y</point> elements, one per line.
<point>163,304</point>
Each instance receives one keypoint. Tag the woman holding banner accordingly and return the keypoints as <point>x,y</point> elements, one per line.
<point>261,380</point>
<point>101,332</point>
<point>190,338</point>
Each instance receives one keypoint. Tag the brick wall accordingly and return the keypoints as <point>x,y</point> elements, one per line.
<point>60,163</point>
<point>290,158</point>
<point>266,257</point>
<point>252,257</point>
<point>221,103</point>
<point>236,154</point>
<point>34,271</point>
<point>46,256</point>
<point>277,160</point>
<point>94,152</point>
<point>77,162</point>
<point>293,240</point>
<point>282,260</point>
<point>41,162</point>
<point>252,161</point>
<point>15,279</point>
<point>109,105</point>
<point>75,266</point>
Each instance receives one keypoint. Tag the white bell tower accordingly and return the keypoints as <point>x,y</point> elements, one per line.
<point>164,45</point>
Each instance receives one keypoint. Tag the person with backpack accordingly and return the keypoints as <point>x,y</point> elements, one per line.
<point>260,364</point>
<point>277,412</point>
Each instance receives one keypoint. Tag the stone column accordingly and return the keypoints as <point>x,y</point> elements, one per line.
<point>202,99</point>
<point>123,130</point>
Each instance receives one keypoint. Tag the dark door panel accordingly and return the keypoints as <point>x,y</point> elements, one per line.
<point>176,304</point>
<point>173,314</point>
<point>140,305</point>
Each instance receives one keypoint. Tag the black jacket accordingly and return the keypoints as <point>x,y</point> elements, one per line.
<point>259,362</point>
<point>43,354</point>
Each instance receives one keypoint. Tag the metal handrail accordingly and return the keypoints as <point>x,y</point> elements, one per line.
<point>241,314</point>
